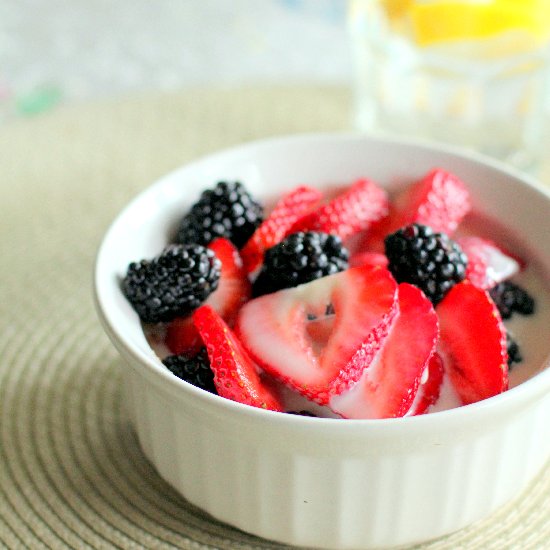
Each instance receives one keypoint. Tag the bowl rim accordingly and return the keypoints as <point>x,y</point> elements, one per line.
<point>520,396</point>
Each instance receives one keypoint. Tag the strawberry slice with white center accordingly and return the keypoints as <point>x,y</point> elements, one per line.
<point>354,210</point>
<point>234,288</point>
<point>318,337</point>
<point>487,263</point>
<point>235,374</point>
<point>429,390</point>
<point>439,200</point>
<point>473,343</point>
<point>233,291</point>
<point>292,206</point>
<point>387,388</point>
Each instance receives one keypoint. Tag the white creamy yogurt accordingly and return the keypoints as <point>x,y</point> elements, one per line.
<point>531,332</point>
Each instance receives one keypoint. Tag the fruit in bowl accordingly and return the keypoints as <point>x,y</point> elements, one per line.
<point>357,340</point>
<point>341,297</point>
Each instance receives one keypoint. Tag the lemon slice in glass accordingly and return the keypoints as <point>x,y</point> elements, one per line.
<point>435,22</point>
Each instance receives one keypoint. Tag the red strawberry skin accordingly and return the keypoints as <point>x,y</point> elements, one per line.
<point>388,386</point>
<point>233,291</point>
<point>235,375</point>
<point>234,288</point>
<point>292,206</point>
<point>322,357</point>
<point>354,210</point>
<point>473,343</point>
<point>440,200</point>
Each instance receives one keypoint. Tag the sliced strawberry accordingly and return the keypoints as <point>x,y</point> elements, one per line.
<point>440,200</point>
<point>430,389</point>
<point>368,258</point>
<point>182,338</point>
<point>235,374</point>
<point>233,291</point>
<point>388,386</point>
<point>275,227</point>
<point>487,263</point>
<point>473,343</point>
<point>354,210</point>
<point>318,337</point>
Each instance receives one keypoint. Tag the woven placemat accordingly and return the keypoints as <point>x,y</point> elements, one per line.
<point>71,472</point>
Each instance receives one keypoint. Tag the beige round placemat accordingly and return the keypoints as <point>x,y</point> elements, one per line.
<point>71,472</point>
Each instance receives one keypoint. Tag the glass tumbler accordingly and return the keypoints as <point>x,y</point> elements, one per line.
<point>473,73</point>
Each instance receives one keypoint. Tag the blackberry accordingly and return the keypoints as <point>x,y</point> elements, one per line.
<point>195,370</point>
<point>514,352</point>
<point>227,211</point>
<point>510,298</point>
<point>173,284</point>
<point>300,258</point>
<point>431,261</point>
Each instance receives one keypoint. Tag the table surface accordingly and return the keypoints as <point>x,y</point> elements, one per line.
<point>73,475</point>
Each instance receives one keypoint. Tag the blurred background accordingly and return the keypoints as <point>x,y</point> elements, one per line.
<point>59,52</point>
<point>487,88</point>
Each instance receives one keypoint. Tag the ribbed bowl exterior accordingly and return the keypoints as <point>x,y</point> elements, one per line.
<point>362,489</point>
<point>326,483</point>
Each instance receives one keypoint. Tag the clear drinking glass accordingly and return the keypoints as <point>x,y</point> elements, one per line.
<point>473,73</point>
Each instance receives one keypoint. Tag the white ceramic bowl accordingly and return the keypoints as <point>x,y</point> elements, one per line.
<point>324,482</point>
